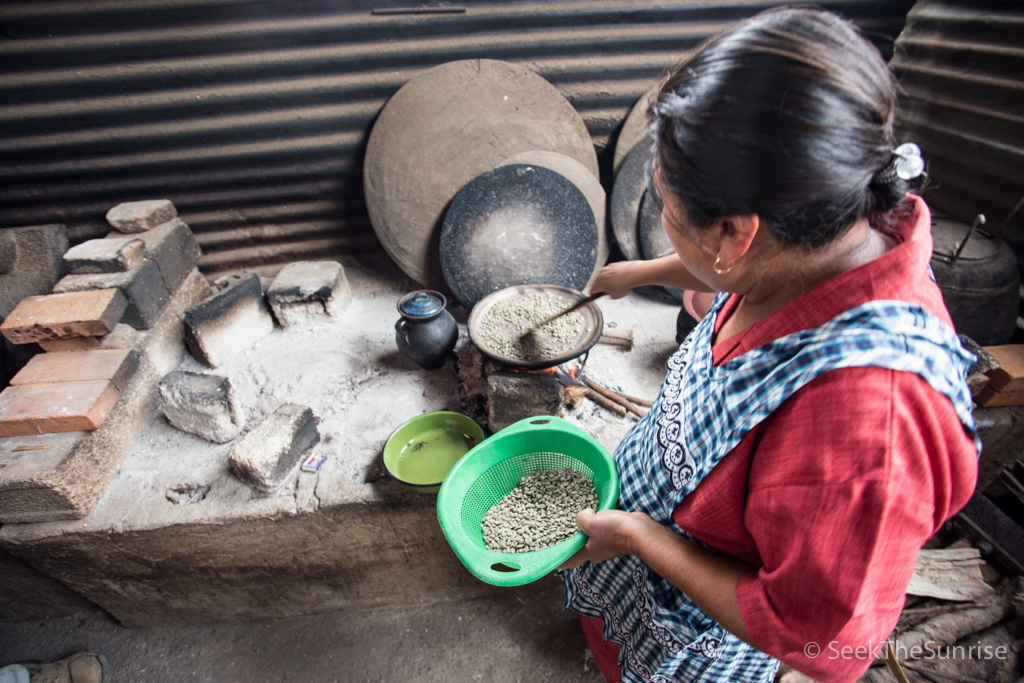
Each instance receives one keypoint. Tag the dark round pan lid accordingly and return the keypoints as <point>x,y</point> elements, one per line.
<point>654,241</point>
<point>513,225</point>
<point>628,190</point>
<point>589,185</point>
<point>485,322</point>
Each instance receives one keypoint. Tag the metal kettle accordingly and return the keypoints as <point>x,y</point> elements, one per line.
<point>978,275</point>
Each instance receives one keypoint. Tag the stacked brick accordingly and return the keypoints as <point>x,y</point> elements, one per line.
<point>128,278</point>
<point>1005,386</point>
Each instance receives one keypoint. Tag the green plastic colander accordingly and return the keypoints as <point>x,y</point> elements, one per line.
<point>489,471</point>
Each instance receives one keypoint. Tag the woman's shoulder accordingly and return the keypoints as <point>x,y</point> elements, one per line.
<point>865,423</point>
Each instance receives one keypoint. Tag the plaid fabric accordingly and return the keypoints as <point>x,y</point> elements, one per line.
<point>701,414</point>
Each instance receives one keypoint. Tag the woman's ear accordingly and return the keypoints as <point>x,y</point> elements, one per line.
<point>736,235</point>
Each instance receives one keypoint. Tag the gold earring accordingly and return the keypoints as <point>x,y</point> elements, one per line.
<point>718,265</point>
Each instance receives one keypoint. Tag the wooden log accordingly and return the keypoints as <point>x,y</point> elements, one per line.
<point>614,396</point>
<point>616,337</point>
<point>949,574</point>
<point>947,628</point>
<point>605,403</point>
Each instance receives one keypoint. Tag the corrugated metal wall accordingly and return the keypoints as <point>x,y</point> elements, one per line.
<point>253,116</point>
<point>961,67</point>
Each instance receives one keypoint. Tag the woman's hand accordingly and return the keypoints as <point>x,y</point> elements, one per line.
<point>616,279</point>
<point>611,533</point>
<point>708,577</point>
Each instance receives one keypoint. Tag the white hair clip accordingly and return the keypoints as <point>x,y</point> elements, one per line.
<point>908,161</point>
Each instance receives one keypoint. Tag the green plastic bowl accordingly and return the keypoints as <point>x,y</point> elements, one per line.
<point>492,469</point>
<point>422,450</point>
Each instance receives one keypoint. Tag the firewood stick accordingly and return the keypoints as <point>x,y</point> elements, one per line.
<point>894,665</point>
<point>639,401</point>
<point>602,401</point>
<point>614,396</point>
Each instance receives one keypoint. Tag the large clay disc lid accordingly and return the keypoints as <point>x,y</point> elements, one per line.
<point>514,225</point>
<point>443,128</point>
<point>635,127</point>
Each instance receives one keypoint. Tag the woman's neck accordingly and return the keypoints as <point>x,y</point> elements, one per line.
<point>784,273</point>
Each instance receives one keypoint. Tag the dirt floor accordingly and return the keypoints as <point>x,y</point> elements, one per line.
<point>521,634</point>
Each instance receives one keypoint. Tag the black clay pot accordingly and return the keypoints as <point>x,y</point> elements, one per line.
<point>979,278</point>
<point>426,333</point>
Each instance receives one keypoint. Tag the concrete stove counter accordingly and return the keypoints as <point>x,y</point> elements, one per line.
<point>177,538</point>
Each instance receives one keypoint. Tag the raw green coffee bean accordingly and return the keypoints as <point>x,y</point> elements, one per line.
<point>539,512</point>
<point>519,315</point>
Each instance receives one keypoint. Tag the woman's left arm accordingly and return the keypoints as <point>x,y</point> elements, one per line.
<point>707,577</point>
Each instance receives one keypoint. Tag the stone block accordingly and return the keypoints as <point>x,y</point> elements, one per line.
<point>32,262</point>
<point>27,594</point>
<point>304,292</point>
<point>174,249</point>
<point>135,217</point>
<point>514,396</point>
<point>228,321</point>
<point>110,255</point>
<point>201,404</point>
<point>64,315</point>
<point>270,454</point>
<point>62,476</point>
<point>113,365</point>
<point>142,287</point>
<point>55,407</point>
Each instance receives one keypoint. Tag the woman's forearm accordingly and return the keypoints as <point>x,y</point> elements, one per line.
<point>620,277</point>
<point>706,577</point>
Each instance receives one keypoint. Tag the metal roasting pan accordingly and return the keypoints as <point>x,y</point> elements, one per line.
<point>590,331</point>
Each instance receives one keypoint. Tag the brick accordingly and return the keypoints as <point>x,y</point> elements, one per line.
<point>307,291</point>
<point>64,315</point>
<point>174,249</point>
<point>135,217</point>
<point>991,397</point>
<point>1009,376</point>
<point>73,344</point>
<point>201,404</point>
<point>270,454</point>
<point>109,255</point>
<point>113,365</point>
<point>68,480</point>
<point>228,321</point>
<point>56,407</point>
<point>142,287</point>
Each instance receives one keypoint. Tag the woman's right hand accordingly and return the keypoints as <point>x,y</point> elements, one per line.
<point>616,279</point>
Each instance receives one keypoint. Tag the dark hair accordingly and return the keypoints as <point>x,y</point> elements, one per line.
<point>789,116</point>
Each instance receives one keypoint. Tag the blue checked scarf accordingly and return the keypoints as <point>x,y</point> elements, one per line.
<point>701,414</point>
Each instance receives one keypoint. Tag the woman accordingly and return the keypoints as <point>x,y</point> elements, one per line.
<point>815,429</point>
